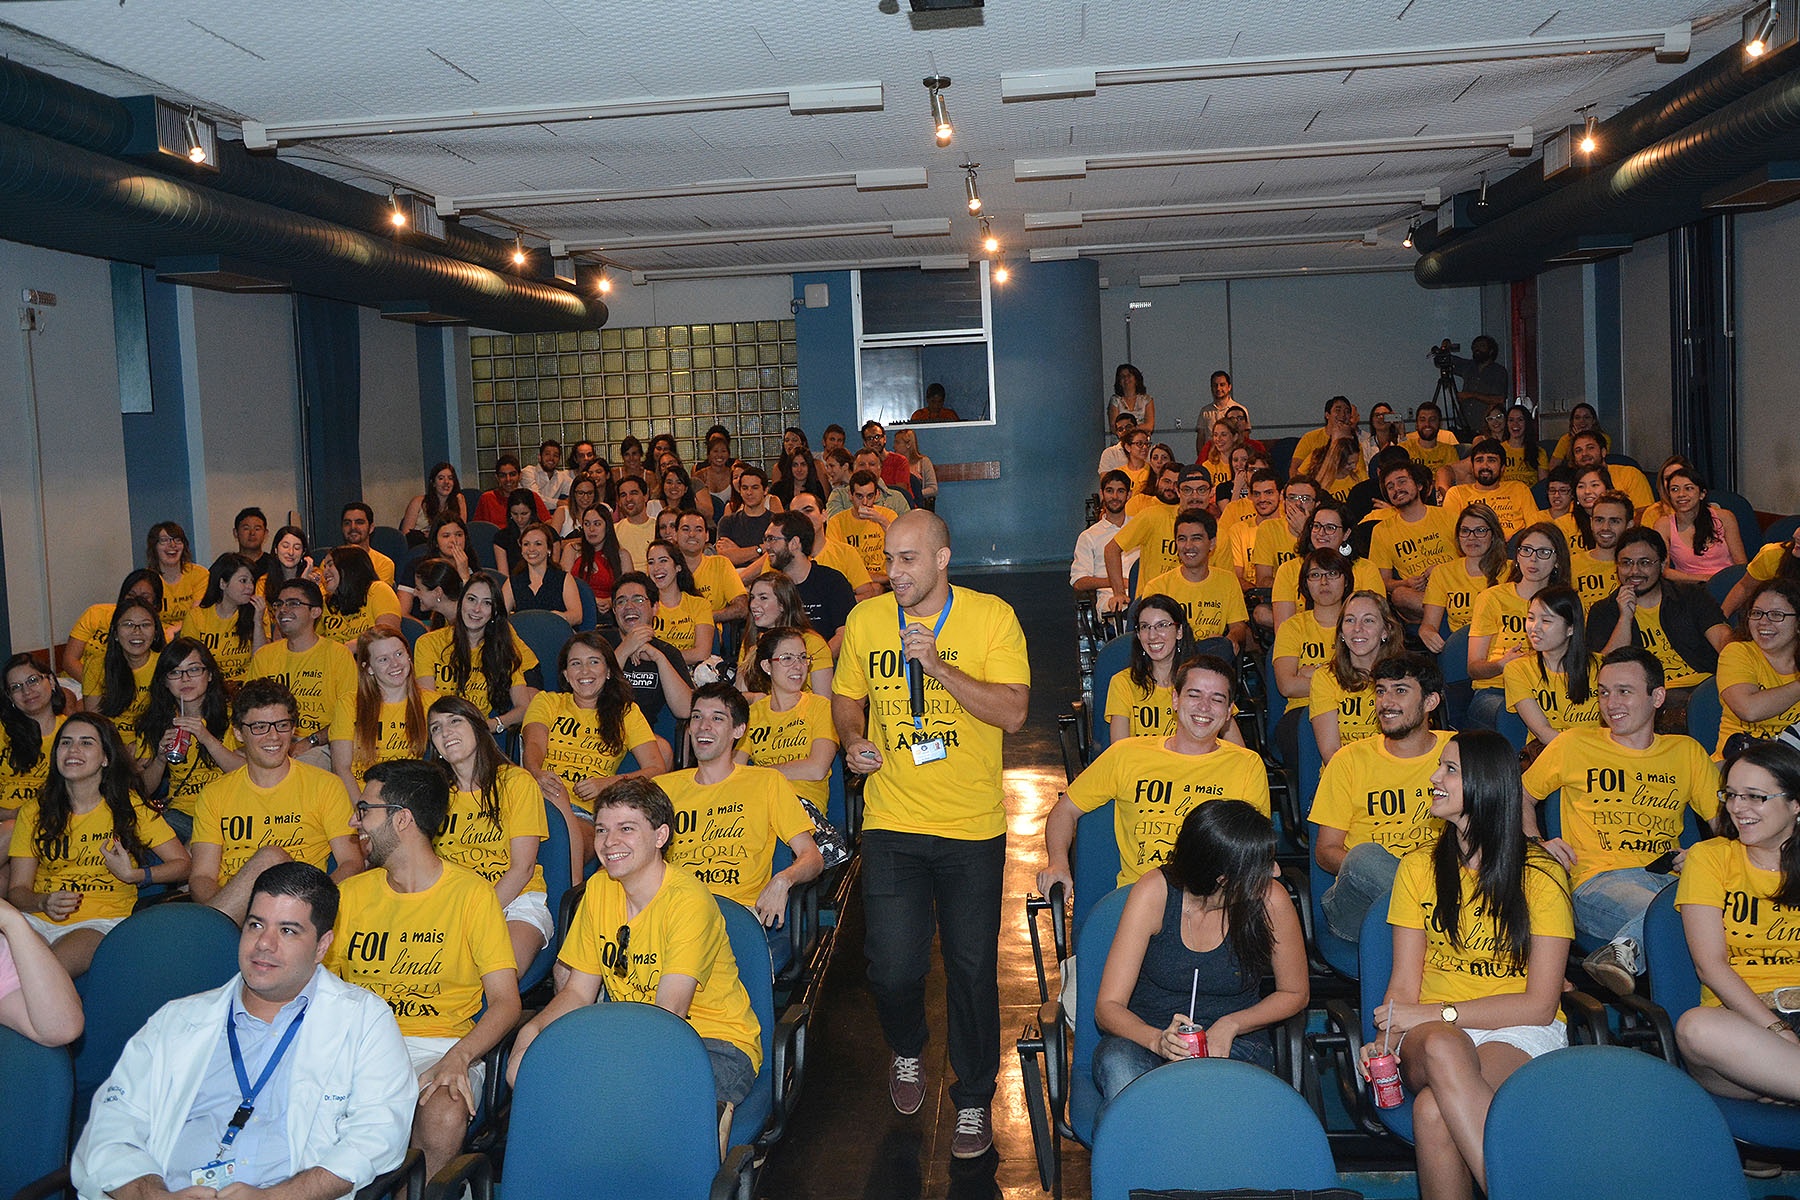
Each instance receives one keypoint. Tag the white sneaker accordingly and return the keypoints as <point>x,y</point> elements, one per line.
<point>1615,965</point>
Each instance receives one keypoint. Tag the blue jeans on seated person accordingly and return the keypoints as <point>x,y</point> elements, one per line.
<point>732,1076</point>
<point>1613,903</point>
<point>1118,1061</point>
<point>1485,707</point>
<point>1366,874</point>
<point>781,945</point>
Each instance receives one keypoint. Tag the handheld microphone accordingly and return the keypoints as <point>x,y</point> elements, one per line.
<point>915,688</point>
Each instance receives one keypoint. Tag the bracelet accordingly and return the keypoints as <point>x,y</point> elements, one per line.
<point>1778,1026</point>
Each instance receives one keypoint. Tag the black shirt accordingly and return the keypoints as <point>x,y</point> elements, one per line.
<point>828,598</point>
<point>745,531</point>
<point>646,678</point>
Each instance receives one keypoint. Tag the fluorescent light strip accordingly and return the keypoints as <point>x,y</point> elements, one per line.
<point>849,97</point>
<point>1430,198</point>
<point>931,227</point>
<point>1099,250</point>
<point>1671,44</point>
<point>862,181</point>
<point>1518,141</point>
<point>929,262</point>
<point>1265,273</point>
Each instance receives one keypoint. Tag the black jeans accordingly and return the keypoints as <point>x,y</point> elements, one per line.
<point>908,879</point>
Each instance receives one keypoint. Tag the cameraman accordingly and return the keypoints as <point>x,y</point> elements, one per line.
<point>1485,383</point>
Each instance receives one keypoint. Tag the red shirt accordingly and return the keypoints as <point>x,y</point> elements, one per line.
<point>492,507</point>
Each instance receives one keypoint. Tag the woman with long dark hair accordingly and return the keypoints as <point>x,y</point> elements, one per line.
<point>521,513</point>
<point>166,552</point>
<point>288,560</point>
<point>442,494</point>
<point>1497,623</point>
<point>479,657</point>
<point>1328,527</point>
<point>596,558</point>
<point>790,728</point>
<point>187,720</point>
<point>118,685</point>
<point>436,591</point>
<point>87,637</point>
<point>355,600</point>
<point>1703,538</point>
<point>584,494</point>
<point>1303,642</point>
<point>1140,699</point>
<point>799,473</point>
<point>1130,398</point>
<point>1195,941</point>
<point>229,620</point>
<point>679,492</point>
<point>1341,705</point>
<point>1759,669</point>
<point>1482,923</point>
<point>496,823</point>
<point>1552,688</point>
<point>385,718</point>
<point>30,707</point>
<point>82,849</point>
<point>1526,460</point>
<point>775,604</point>
<point>449,547</point>
<point>1737,896</point>
<point>1451,588</point>
<point>684,617</point>
<point>536,582</point>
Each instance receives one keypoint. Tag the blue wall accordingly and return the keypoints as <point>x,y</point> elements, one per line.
<point>1047,375</point>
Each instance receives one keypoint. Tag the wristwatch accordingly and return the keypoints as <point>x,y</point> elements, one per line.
<point>1448,1013</point>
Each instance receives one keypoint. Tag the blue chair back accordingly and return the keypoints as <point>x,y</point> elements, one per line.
<point>481,543</point>
<point>661,1136</point>
<point>1377,961</point>
<point>412,629</point>
<point>1540,493</point>
<point>1704,713</point>
<point>1281,455</point>
<point>1749,528</point>
<point>1720,585</point>
<point>1511,726</point>
<point>834,799</point>
<point>1114,657</point>
<point>1607,1121</point>
<point>545,633</point>
<point>472,497</point>
<point>390,541</point>
<point>1209,1124</point>
<point>1624,458</point>
<point>590,608</point>
<point>750,946</point>
<point>1453,660</point>
<point>1093,941</point>
<point>553,856</point>
<point>1781,531</point>
<point>1339,955</point>
<point>1096,865</point>
<point>152,957</point>
<point>37,1092</point>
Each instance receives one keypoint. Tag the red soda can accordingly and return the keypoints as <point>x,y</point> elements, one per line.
<point>1195,1039</point>
<point>1384,1078</point>
<point>178,748</point>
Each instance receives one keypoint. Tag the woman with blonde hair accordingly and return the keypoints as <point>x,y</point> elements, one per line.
<point>385,717</point>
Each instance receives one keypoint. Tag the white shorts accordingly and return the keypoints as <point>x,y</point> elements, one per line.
<point>425,1053</point>
<point>52,931</point>
<point>1532,1039</point>
<point>533,909</point>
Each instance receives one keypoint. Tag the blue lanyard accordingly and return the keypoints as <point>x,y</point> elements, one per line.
<point>241,1117</point>
<point>909,665</point>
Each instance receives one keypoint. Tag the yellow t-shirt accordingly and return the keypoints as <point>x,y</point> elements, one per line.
<point>93,680</point>
<point>1213,605</point>
<point>16,787</point>
<point>471,840</point>
<point>1764,565</point>
<point>319,678</point>
<point>958,795</point>
<point>575,750</point>
<point>1572,532</point>
<point>1374,795</point>
<point>301,814</point>
<point>1240,540</point>
<point>219,634</point>
<point>335,626</point>
<point>1622,807</point>
<point>718,581</point>
<point>867,538</point>
<point>94,626</point>
<point>1499,614</point>
<point>189,777</point>
<point>76,864</point>
<point>1275,543</point>
<point>184,593</point>
<point>1759,933</point>
<point>1511,501</point>
<point>1364,577</point>
<point>1310,443</point>
<point>1355,710</point>
<point>1435,454</point>
<point>423,952</point>
<point>1453,587</point>
<point>1339,488</point>
<point>1676,671</point>
<point>1409,548</point>
<point>1524,681</point>
<point>680,932</point>
<point>1151,533</point>
<point>1151,712</point>
<point>1138,502</point>
<point>773,738</point>
<point>1517,468</point>
<point>1633,483</point>
<point>431,660</point>
<point>1153,788</point>
<point>384,566</point>
<point>680,625</point>
<point>1456,975</point>
<point>390,730</point>
<point>1303,639</point>
<point>818,655</point>
<point>831,553</point>
<point>725,833</point>
<point>1744,662</point>
<point>1594,579</point>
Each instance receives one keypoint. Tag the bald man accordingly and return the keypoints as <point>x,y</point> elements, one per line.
<point>934,839</point>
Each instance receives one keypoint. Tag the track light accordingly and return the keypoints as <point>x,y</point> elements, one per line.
<point>1001,274</point>
<point>989,242</point>
<point>518,254</point>
<point>1407,241</point>
<point>396,214</point>
<point>1590,140</point>
<point>941,129</point>
<point>1757,44</point>
<point>1481,201</point>
<point>971,189</point>
<point>190,125</point>
<point>605,284</point>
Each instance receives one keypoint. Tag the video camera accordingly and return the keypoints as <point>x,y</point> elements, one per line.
<point>1443,356</point>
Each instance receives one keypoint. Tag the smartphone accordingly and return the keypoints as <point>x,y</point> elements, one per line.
<point>1663,863</point>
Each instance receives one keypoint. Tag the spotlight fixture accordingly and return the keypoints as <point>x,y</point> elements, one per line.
<point>1757,44</point>
<point>941,128</point>
<point>1481,200</point>
<point>989,242</point>
<point>396,214</point>
<point>1407,241</point>
<point>518,254</point>
<point>971,189</point>
<point>605,284</point>
<point>1001,274</point>
<point>1590,140</point>
<point>190,125</point>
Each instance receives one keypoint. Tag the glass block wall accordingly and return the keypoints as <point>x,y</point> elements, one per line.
<point>604,384</point>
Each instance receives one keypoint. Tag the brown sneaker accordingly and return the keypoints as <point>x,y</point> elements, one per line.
<point>974,1133</point>
<point>906,1084</point>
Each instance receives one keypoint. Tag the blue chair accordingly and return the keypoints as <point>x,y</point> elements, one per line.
<point>1720,585</point>
<point>1606,1121</point>
<point>1209,1125</point>
<point>472,497</point>
<point>1114,657</point>
<point>481,543</point>
<point>1453,660</point>
<point>761,1117</point>
<point>152,957</point>
<point>553,857</point>
<point>1511,726</point>
<point>1781,532</point>
<point>1675,987</point>
<point>1750,529</point>
<point>661,1137</point>
<point>1377,965</point>
<point>1334,951</point>
<point>37,1091</point>
<point>412,629</point>
<point>1095,868</point>
<point>590,608</point>
<point>1281,455</point>
<point>1540,493</point>
<point>1624,458</point>
<point>545,633</point>
<point>390,541</point>
<point>1705,712</point>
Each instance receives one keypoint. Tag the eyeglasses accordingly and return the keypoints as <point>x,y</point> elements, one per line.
<point>632,601</point>
<point>166,540</point>
<point>1541,553</point>
<point>1320,528</point>
<point>191,671</point>
<point>1727,795</point>
<point>784,660</point>
<point>30,681</point>
<point>293,604</point>
<point>363,808</point>
<point>1161,627</point>
<point>1480,531</point>
<point>1315,576</point>
<point>1773,616</point>
<point>263,728</point>
<point>137,626</point>
<point>1640,564</point>
<point>622,964</point>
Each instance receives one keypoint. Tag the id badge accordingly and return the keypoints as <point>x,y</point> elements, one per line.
<point>929,751</point>
<point>215,1174</point>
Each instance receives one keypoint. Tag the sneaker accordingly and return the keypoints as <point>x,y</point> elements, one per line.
<point>1757,1169</point>
<point>1615,965</point>
<point>974,1133</point>
<point>906,1084</point>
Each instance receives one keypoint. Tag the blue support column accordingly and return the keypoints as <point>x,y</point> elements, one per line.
<point>328,340</point>
<point>153,332</point>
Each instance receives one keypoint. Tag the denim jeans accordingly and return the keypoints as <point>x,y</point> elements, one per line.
<point>1118,1061</point>
<point>1364,876</point>
<point>732,1076</point>
<point>1485,707</point>
<point>1612,904</point>
<point>910,882</point>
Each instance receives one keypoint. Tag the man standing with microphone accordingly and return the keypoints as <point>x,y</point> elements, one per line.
<point>928,681</point>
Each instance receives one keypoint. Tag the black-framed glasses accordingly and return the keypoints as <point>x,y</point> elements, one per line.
<point>364,808</point>
<point>622,963</point>
<point>263,728</point>
<point>1773,616</point>
<point>1727,795</point>
<point>191,671</point>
